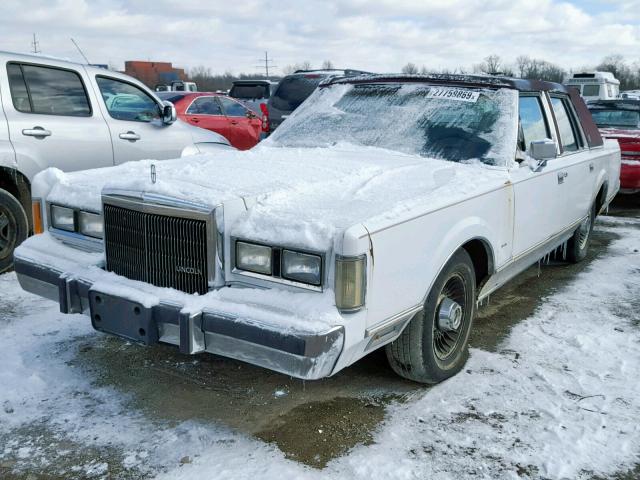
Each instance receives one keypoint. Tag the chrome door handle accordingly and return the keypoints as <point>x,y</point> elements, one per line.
<point>131,136</point>
<point>36,132</point>
<point>562,176</point>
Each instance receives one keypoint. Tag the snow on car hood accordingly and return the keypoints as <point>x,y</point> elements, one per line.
<point>293,196</point>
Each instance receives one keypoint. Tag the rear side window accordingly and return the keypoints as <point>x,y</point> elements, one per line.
<point>591,90</point>
<point>46,90</point>
<point>18,88</point>
<point>233,109</point>
<point>292,91</point>
<point>565,124</point>
<point>532,122</point>
<point>205,106</point>
<point>250,92</point>
<point>127,102</point>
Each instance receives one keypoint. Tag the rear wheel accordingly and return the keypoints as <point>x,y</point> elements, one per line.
<point>434,346</point>
<point>578,245</point>
<point>14,228</point>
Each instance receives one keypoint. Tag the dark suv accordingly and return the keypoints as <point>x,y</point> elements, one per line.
<point>295,88</point>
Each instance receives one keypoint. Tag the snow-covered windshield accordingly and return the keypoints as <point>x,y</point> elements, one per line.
<point>456,124</point>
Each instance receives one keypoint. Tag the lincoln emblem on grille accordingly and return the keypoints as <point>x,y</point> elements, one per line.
<point>153,173</point>
<point>189,270</point>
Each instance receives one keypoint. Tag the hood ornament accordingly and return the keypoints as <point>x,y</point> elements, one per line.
<point>153,173</point>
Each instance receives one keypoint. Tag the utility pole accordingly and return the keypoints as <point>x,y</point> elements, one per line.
<point>35,45</point>
<point>268,63</point>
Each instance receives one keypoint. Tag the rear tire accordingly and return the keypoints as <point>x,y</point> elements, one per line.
<point>434,346</point>
<point>578,245</point>
<point>14,228</point>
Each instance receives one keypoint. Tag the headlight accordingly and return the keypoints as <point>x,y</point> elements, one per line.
<point>350,282</point>
<point>253,258</point>
<point>90,224</point>
<point>63,218</point>
<point>301,267</point>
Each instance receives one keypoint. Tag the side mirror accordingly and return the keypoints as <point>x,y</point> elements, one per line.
<point>542,150</point>
<point>169,114</point>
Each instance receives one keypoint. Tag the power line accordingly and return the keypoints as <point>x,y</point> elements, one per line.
<point>35,44</point>
<point>266,63</point>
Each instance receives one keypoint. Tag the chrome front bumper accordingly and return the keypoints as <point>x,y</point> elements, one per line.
<point>303,354</point>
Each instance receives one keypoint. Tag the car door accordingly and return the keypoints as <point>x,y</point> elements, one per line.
<point>134,119</point>
<point>540,199</point>
<point>577,175</point>
<point>206,112</point>
<point>52,118</point>
<point>244,124</point>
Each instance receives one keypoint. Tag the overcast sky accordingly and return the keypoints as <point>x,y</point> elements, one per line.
<point>376,35</point>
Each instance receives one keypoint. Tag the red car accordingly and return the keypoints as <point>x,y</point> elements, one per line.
<point>218,113</point>
<point>620,120</point>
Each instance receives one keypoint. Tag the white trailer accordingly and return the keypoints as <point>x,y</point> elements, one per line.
<point>595,85</point>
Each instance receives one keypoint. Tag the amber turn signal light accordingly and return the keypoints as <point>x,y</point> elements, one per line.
<point>38,226</point>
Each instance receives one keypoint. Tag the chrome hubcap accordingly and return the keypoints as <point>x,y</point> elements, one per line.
<point>583,232</point>
<point>7,234</point>
<point>449,320</point>
<point>449,315</point>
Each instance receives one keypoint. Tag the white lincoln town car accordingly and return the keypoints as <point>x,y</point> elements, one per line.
<point>379,214</point>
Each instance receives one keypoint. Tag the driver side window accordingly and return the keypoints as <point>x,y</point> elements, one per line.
<point>125,101</point>
<point>533,124</point>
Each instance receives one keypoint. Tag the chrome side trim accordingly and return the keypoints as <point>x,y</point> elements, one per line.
<point>383,332</point>
<point>77,240</point>
<point>523,261</point>
<point>386,329</point>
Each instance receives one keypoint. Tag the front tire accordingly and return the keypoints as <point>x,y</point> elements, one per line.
<point>14,228</point>
<point>434,346</point>
<point>578,245</point>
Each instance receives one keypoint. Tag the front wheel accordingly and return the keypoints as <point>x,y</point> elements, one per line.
<point>578,245</point>
<point>434,346</point>
<point>14,228</point>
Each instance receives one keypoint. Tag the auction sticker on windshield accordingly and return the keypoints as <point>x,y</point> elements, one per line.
<point>454,94</point>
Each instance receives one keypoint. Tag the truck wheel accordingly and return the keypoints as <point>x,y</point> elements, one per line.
<point>434,346</point>
<point>578,245</point>
<point>14,228</point>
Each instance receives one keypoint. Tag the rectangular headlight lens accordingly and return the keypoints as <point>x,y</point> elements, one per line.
<point>62,218</point>
<point>301,267</point>
<point>253,258</point>
<point>350,282</point>
<point>90,224</point>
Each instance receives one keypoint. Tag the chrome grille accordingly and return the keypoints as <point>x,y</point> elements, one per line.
<point>166,251</point>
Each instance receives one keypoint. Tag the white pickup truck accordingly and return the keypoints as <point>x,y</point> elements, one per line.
<point>55,113</point>
<point>380,213</point>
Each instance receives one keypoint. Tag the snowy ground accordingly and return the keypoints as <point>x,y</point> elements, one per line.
<point>558,398</point>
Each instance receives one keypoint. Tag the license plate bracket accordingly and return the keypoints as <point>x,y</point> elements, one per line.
<point>122,317</point>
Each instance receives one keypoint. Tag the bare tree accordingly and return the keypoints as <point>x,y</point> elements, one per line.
<point>327,65</point>
<point>410,69</point>
<point>289,69</point>
<point>617,65</point>
<point>522,63</point>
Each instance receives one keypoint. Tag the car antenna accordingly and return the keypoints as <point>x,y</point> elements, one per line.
<point>83,56</point>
